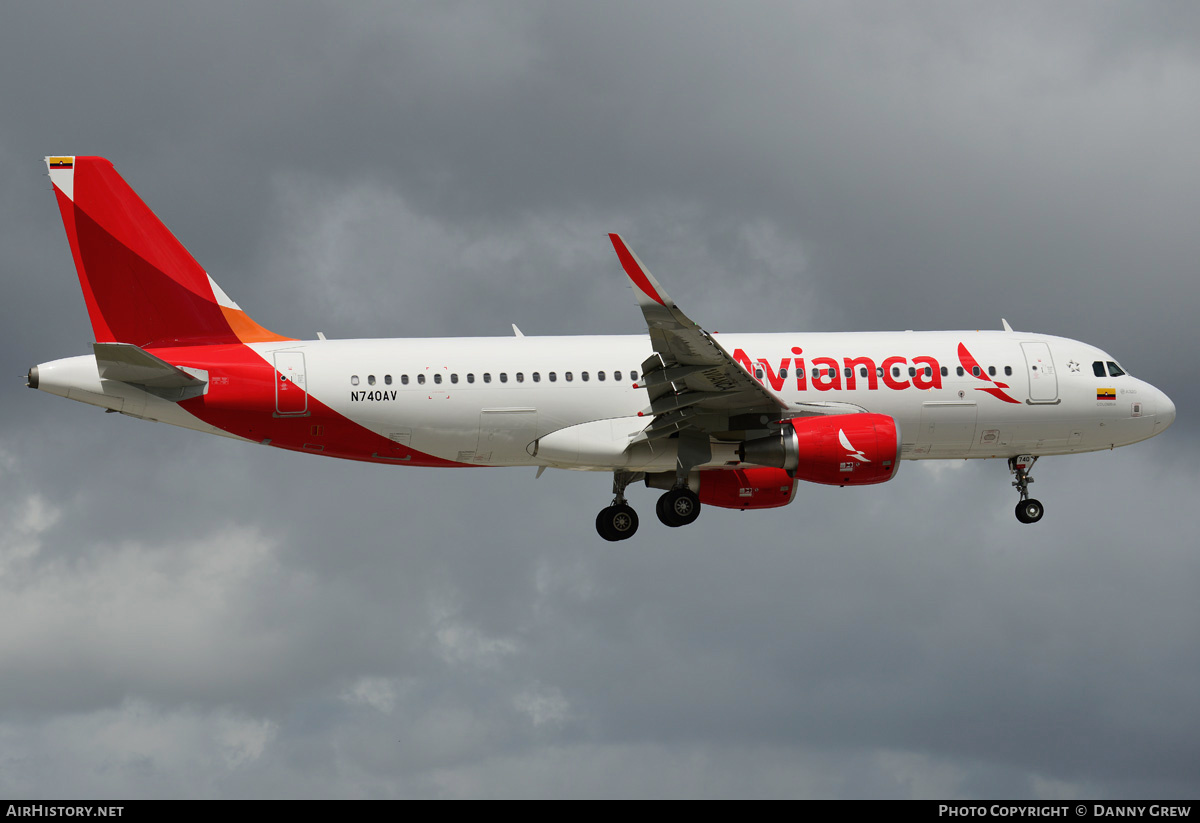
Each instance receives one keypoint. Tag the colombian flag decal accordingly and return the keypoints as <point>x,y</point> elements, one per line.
<point>1106,394</point>
<point>62,162</point>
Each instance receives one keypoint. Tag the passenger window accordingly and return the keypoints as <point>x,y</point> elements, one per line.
<point>503,377</point>
<point>520,377</point>
<point>370,380</point>
<point>992,371</point>
<point>454,378</point>
<point>816,373</point>
<point>421,379</point>
<point>879,371</point>
<point>945,372</point>
<point>387,380</point>
<point>975,371</point>
<point>487,377</point>
<point>616,375</point>
<point>758,373</point>
<point>354,380</point>
<point>404,379</point>
<point>862,372</point>
<point>1008,371</point>
<point>1114,370</point>
<point>849,372</point>
<point>959,371</point>
<point>1098,368</point>
<point>633,376</point>
<point>568,376</point>
<point>912,372</point>
<point>600,376</point>
<point>537,377</point>
<point>470,377</point>
<point>929,371</point>
<point>437,378</point>
<point>895,371</point>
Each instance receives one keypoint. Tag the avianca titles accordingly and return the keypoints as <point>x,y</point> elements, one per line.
<point>731,420</point>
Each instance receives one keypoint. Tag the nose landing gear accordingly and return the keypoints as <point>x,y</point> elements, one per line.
<point>1028,509</point>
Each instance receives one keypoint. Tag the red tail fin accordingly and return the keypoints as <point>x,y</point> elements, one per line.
<point>140,284</point>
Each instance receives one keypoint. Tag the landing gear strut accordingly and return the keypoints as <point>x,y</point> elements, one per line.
<point>681,506</point>
<point>619,521</point>
<point>1028,509</point>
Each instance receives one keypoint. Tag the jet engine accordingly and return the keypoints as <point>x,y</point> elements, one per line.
<point>837,450</point>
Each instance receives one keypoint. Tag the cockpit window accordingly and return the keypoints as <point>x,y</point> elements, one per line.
<point>1114,370</point>
<point>1098,368</point>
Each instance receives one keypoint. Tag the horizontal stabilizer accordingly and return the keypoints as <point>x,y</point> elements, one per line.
<point>130,364</point>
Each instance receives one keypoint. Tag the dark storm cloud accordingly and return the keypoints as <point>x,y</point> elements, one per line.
<point>186,615</point>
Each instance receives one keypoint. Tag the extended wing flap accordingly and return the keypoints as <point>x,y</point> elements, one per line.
<point>131,364</point>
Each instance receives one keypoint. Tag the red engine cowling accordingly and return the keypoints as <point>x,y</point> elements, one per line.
<point>838,450</point>
<point>746,488</point>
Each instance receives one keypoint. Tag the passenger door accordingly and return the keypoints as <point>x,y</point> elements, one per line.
<point>1043,382</point>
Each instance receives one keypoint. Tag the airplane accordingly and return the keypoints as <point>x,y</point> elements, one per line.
<point>725,420</point>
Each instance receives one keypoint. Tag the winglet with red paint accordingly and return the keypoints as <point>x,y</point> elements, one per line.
<point>645,288</point>
<point>140,284</point>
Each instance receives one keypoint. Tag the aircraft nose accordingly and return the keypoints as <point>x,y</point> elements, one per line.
<point>1165,413</point>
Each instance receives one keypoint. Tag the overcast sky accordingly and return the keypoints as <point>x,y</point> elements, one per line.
<point>185,616</point>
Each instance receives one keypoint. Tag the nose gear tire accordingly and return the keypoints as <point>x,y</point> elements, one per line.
<point>1030,511</point>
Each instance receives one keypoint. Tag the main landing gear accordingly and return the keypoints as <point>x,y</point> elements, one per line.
<point>619,521</point>
<point>1028,509</point>
<point>679,506</point>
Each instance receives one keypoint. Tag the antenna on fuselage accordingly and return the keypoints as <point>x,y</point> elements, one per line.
<point>1006,326</point>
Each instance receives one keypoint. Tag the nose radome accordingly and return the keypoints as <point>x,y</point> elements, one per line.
<point>1165,413</point>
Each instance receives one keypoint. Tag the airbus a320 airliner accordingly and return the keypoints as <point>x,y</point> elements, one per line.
<point>730,420</point>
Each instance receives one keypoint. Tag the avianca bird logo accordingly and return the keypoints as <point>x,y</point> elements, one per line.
<point>849,447</point>
<point>972,367</point>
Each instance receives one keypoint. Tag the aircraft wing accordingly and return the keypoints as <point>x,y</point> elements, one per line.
<point>690,376</point>
<point>694,383</point>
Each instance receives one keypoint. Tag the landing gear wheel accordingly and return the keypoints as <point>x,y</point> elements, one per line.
<point>1030,511</point>
<point>618,522</point>
<point>678,507</point>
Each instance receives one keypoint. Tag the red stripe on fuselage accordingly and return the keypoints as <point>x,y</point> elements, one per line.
<point>241,401</point>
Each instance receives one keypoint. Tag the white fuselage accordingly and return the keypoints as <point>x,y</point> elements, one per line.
<point>571,402</point>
